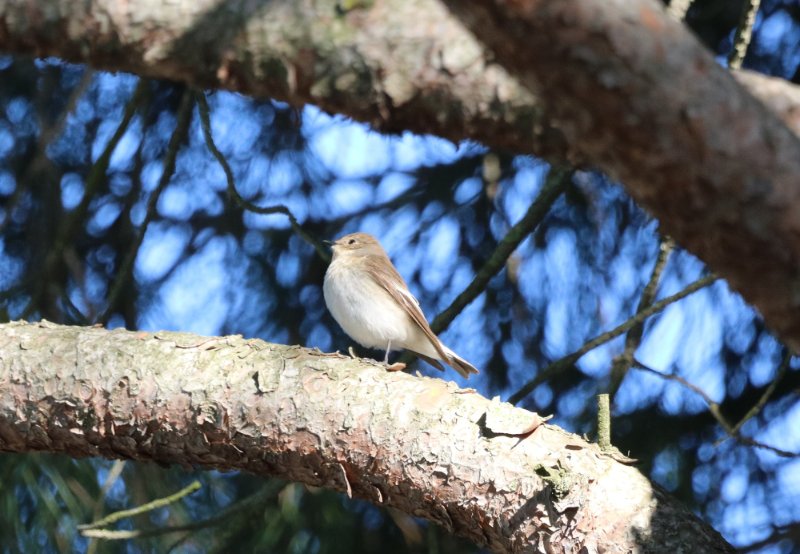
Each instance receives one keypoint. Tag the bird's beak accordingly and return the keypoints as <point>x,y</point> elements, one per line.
<point>329,243</point>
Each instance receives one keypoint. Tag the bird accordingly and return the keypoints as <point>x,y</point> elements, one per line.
<point>371,302</point>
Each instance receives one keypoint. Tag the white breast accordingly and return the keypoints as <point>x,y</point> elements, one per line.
<point>365,311</point>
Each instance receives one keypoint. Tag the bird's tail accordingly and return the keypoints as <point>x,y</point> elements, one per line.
<point>458,363</point>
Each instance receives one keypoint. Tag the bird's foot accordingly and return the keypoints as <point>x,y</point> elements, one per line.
<point>352,354</point>
<point>397,366</point>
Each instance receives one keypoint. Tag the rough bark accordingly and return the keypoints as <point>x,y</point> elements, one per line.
<point>642,99</point>
<point>479,467</point>
<point>397,64</point>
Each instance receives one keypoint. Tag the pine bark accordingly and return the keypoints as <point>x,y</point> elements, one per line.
<point>483,469</point>
<point>617,84</point>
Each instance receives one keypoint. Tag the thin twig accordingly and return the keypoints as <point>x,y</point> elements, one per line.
<point>633,339</point>
<point>144,508</point>
<point>752,412</point>
<point>716,412</point>
<point>113,475</point>
<point>555,184</point>
<point>96,176</point>
<point>744,32</point>
<point>178,136</point>
<point>254,501</point>
<point>249,206</point>
<point>562,364</point>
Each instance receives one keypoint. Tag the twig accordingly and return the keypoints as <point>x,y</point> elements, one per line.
<point>716,412</point>
<point>622,363</point>
<point>113,475</point>
<point>744,32</point>
<point>560,365</point>
<point>148,507</point>
<point>555,184</point>
<point>178,136</point>
<point>752,412</point>
<point>252,502</point>
<point>205,123</point>
<point>97,174</point>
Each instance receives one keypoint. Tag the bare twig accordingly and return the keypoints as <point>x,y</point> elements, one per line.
<point>560,365</point>
<point>113,475</point>
<point>752,412</point>
<point>178,136</point>
<point>716,412</point>
<point>555,184</point>
<point>744,32</point>
<point>622,363</point>
<point>148,507</point>
<point>97,174</point>
<point>249,206</point>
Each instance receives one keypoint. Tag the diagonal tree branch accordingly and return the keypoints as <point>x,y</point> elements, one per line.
<point>485,470</point>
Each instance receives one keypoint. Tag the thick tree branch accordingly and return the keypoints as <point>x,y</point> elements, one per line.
<point>644,100</point>
<point>396,64</point>
<point>481,468</point>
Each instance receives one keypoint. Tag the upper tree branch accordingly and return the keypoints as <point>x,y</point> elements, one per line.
<point>396,64</point>
<point>421,445</point>
<point>638,95</point>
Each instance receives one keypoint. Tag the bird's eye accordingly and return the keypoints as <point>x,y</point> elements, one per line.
<point>351,241</point>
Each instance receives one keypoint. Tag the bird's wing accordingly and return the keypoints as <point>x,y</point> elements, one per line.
<point>390,280</point>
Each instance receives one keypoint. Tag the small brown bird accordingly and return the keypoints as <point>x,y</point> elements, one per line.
<point>370,300</point>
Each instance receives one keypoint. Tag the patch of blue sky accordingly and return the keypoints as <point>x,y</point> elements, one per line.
<point>71,190</point>
<point>351,150</point>
<point>597,361</point>
<point>150,175</point>
<point>735,484</point>
<point>234,129</point>
<point>112,91</point>
<point>282,175</point>
<point>194,298</point>
<point>102,218</point>
<point>161,248</point>
<point>8,183</point>
<point>400,230</point>
<point>120,184</point>
<point>19,112</point>
<point>288,269</point>
<point>745,522</point>
<point>6,141</point>
<point>638,389</point>
<point>10,267</point>
<point>392,185</point>
<point>663,336</point>
<point>532,277</point>
<point>320,337</point>
<point>765,364</point>
<point>467,190</point>
<point>175,203</point>
<point>348,196</point>
<point>521,192</point>
<point>441,252</point>
<point>788,478</point>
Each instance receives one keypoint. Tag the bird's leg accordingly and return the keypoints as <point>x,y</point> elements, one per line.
<point>395,366</point>
<point>352,354</point>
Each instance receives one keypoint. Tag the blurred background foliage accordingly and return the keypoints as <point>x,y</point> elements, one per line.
<point>113,210</point>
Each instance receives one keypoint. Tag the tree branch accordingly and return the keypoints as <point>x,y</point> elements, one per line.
<point>420,445</point>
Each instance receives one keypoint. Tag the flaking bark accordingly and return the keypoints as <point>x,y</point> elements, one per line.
<point>483,469</point>
<point>620,86</point>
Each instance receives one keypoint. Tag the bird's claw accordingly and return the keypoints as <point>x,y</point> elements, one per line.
<point>397,366</point>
